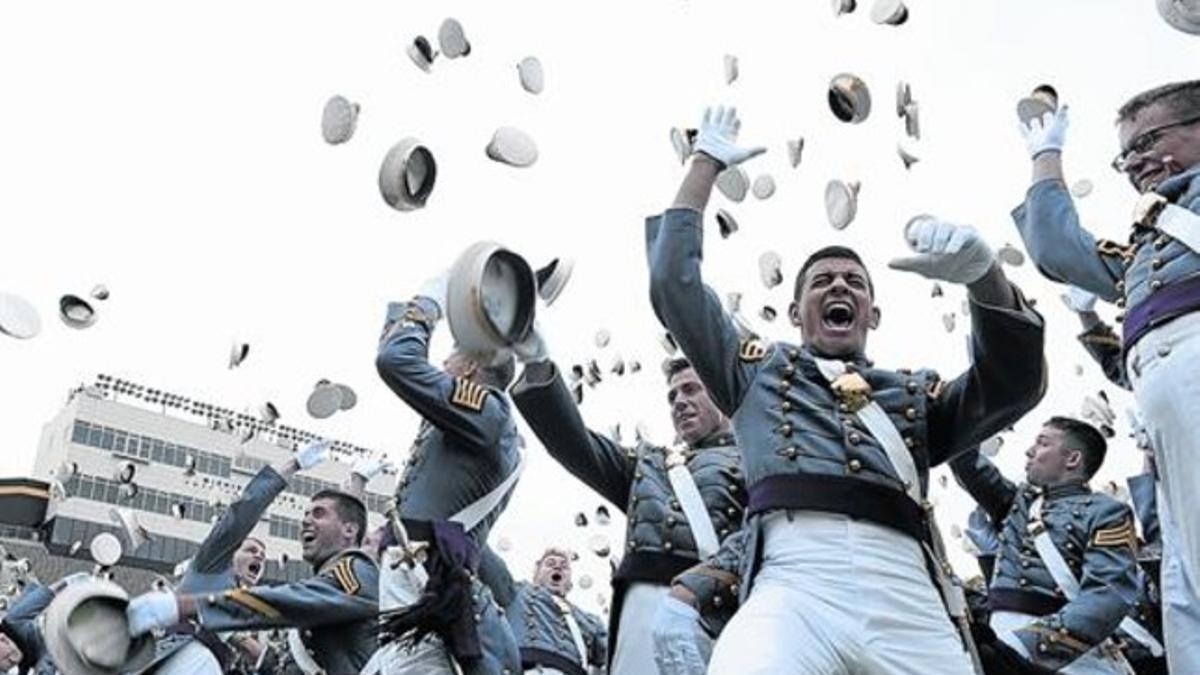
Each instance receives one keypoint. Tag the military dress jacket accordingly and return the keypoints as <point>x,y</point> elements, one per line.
<point>658,540</point>
<point>1095,535</point>
<point>336,610</point>
<point>21,625</point>
<point>1104,346</point>
<point>536,617</point>
<point>211,569</point>
<point>802,448</point>
<point>1153,276</point>
<point>468,441</point>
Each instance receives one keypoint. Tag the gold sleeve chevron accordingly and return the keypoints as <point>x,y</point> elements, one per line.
<point>752,350</point>
<point>468,394</point>
<point>253,603</point>
<point>1120,535</point>
<point>343,574</point>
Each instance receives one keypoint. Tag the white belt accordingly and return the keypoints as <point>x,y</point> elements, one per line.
<point>1066,580</point>
<point>692,505</point>
<point>1181,224</point>
<point>300,654</point>
<point>476,511</point>
<point>573,626</point>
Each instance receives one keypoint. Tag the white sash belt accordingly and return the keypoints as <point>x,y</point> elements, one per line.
<point>692,504</point>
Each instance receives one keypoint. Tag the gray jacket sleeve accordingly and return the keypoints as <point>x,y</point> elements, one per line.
<point>455,405</point>
<point>986,485</point>
<point>20,624</point>
<point>691,311</point>
<point>1060,247</point>
<point>715,581</point>
<point>1144,495</point>
<point>1104,346</point>
<point>216,551</point>
<point>597,460</point>
<point>494,574</point>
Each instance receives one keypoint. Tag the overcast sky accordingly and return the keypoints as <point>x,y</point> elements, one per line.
<point>174,153</point>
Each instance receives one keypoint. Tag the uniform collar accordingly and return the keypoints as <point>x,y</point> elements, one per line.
<point>723,439</point>
<point>1068,489</point>
<point>1175,187</point>
<point>860,361</point>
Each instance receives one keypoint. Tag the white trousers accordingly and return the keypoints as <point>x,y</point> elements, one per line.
<point>1091,663</point>
<point>1164,369</point>
<point>634,653</point>
<point>836,596</point>
<point>399,586</point>
<point>191,659</point>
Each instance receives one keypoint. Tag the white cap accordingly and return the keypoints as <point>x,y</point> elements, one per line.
<point>513,147</point>
<point>533,79</point>
<point>338,120</point>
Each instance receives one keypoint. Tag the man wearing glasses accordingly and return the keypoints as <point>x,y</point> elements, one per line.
<point>1155,279</point>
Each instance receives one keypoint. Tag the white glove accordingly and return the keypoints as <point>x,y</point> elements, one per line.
<point>717,137</point>
<point>1047,133</point>
<point>437,289</point>
<point>313,454</point>
<point>533,348</point>
<point>680,646</point>
<point>1078,300</point>
<point>151,611</point>
<point>949,252</point>
<point>370,466</point>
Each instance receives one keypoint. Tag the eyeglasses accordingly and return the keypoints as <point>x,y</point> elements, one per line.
<point>1146,141</point>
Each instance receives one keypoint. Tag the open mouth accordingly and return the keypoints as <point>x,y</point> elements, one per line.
<point>308,537</point>
<point>838,315</point>
<point>556,577</point>
<point>254,568</point>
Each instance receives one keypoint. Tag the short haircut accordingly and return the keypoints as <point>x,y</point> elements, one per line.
<point>350,509</point>
<point>1081,436</point>
<point>554,550</point>
<point>830,252</point>
<point>675,365</point>
<point>1181,98</point>
<point>261,543</point>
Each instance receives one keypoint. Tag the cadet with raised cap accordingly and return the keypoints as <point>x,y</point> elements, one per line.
<point>837,450</point>
<point>464,463</point>
<point>1155,278</point>
<point>336,608</point>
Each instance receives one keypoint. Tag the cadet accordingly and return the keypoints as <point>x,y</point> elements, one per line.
<point>229,558</point>
<point>1065,576</point>
<point>456,482</point>
<point>337,605</point>
<point>21,643</point>
<point>837,450</point>
<point>1155,278</point>
<point>555,636</point>
<point>680,502</point>
<point>1146,657</point>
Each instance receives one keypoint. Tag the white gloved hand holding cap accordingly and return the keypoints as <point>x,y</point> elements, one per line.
<point>151,611</point>
<point>717,137</point>
<point>680,645</point>
<point>437,289</point>
<point>945,251</point>
<point>1047,133</point>
<point>313,454</point>
<point>370,466</point>
<point>1079,301</point>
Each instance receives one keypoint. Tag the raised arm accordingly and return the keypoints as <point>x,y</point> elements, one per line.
<point>494,574</point>
<point>690,310</point>
<point>546,404</point>
<point>983,481</point>
<point>455,405</point>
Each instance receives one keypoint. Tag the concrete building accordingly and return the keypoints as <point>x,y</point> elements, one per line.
<point>175,463</point>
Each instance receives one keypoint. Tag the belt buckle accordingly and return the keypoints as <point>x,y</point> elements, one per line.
<point>852,391</point>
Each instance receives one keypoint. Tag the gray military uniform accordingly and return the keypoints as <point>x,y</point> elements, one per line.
<point>802,448</point>
<point>539,626</point>
<point>21,626</point>
<point>658,540</point>
<point>1095,535</point>
<point>211,569</point>
<point>335,609</point>
<point>467,445</point>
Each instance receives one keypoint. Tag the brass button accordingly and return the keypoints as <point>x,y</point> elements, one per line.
<point>667,546</point>
<point>910,414</point>
<point>910,442</point>
<point>717,601</point>
<point>786,406</point>
<point>1155,284</point>
<point>1156,263</point>
<point>1121,302</point>
<point>670,521</point>
<point>733,488</point>
<point>731,511</point>
<point>675,504</point>
<point>911,386</point>
<point>1163,350</point>
<point>855,438</point>
<point>1161,242</point>
<point>789,452</point>
<point>789,369</point>
<point>794,354</point>
<point>1121,285</point>
<point>724,532</point>
<point>786,429</point>
<point>1025,563</point>
<point>783,386</point>
<point>1022,582</point>
<point>854,465</point>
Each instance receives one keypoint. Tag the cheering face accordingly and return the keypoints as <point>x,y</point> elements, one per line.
<point>693,413</point>
<point>323,533</point>
<point>1160,143</point>
<point>835,310</point>
<point>554,573</point>
<point>249,562</point>
<point>1048,462</point>
<point>10,654</point>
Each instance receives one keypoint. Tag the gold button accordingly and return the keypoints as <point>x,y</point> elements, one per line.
<point>1161,242</point>
<point>789,452</point>
<point>670,521</point>
<point>717,601</point>
<point>910,414</point>
<point>724,532</point>
<point>1155,284</point>
<point>1121,302</point>
<point>855,438</point>
<point>1164,350</point>
<point>910,442</point>
<point>1022,582</point>
<point>911,386</point>
<point>731,511</point>
<point>675,504</point>
<point>667,546</point>
<point>794,354</point>
<point>783,386</point>
<point>786,406</point>
<point>789,369</point>
<point>854,465</point>
<point>1156,263</point>
<point>1120,285</point>
<point>786,429</point>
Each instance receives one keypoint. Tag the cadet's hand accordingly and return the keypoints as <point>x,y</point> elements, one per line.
<point>313,454</point>
<point>370,466</point>
<point>680,646</point>
<point>10,654</point>
<point>437,289</point>
<point>954,253</point>
<point>718,137</point>
<point>1078,300</point>
<point>1047,133</point>
<point>533,348</point>
<point>151,611</point>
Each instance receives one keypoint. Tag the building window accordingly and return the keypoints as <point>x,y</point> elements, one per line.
<point>80,433</point>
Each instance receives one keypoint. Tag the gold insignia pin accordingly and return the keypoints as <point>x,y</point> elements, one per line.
<point>852,391</point>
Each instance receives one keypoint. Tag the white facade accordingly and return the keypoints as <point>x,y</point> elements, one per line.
<point>188,459</point>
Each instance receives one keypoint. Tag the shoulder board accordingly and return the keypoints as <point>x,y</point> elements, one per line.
<point>1108,247</point>
<point>1116,536</point>
<point>343,574</point>
<point>468,394</point>
<point>752,350</point>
